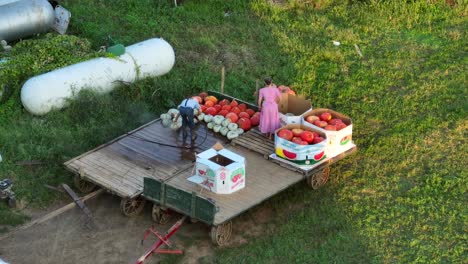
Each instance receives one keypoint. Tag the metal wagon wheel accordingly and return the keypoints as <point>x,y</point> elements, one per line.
<point>319,179</point>
<point>160,215</point>
<point>221,234</point>
<point>132,206</point>
<point>83,185</point>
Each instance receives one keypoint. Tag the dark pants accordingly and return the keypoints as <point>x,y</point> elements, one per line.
<point>187,117</point>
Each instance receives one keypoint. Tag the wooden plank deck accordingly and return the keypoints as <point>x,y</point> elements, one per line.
<point>121,165</point>
<point>263,180</point>
<point>255,141</point>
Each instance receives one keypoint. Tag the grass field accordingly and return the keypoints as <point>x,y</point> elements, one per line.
<point>402,198</point>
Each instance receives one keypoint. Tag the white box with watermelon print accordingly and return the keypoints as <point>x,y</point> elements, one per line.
<point>308,155</point>
<point>221,172</point>
<point>337,141</point>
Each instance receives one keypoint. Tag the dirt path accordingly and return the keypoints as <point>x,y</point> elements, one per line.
<point>116,239</point>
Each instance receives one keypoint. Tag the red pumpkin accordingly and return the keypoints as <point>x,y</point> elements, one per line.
<point>218,107</point>
<point>203,108</point>
<point>236,110</point>
<point>317,140</point>
<point>209,103</point>
<point>296,140</point>
<point>242,107</point>
<point>233,117</point>
<point>203,95</point>
<point>224,102</point>
<point>303,143</point>
<point>250,112</point>
<point>244,123</point>
<point>234,103</point>
<point>211,111</point>
<point>307,136</point>
<point>340,126</point>
<point>223,112</point>
<point>255,120</point>
<point>335,121</point>
<point>227,107</point>
<point>286,134</point>
<point>244,114</point>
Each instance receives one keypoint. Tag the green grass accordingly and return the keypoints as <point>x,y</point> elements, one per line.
<point>401,198</point>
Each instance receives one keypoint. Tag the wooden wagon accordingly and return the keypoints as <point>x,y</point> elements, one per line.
<point>144,165</point>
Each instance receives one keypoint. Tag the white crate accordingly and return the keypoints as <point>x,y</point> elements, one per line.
<point>221,172</point>
<point>337,141</point>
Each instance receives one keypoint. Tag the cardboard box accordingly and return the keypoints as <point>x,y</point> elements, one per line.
<point>291,108</point>
<point>220,171</point>
<point>337,141</point>
<point>300,154</point>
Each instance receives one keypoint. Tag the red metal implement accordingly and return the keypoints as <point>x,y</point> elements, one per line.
<point>161,240</point>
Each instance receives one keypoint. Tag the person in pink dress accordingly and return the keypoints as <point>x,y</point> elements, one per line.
<point>268,100</point>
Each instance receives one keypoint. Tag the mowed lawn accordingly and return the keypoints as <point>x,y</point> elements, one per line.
<point>399,73</point>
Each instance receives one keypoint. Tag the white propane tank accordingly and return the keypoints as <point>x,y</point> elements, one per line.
<point>42,93</point>
<point>4,2</point>
<point>19,19</point>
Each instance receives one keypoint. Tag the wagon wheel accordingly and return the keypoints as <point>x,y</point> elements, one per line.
<point>160,215</point>
<point>132,206</point>
<point>82,185</point>
<point>319,179</point>
<point>221,234</point>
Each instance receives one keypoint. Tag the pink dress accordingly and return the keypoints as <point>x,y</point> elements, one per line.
<point>269,117</point>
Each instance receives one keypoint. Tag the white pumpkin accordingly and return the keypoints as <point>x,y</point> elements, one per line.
<point>224,131</point>
<point>218,119</point>
<point>165,116</point>
<point>201,116</point>
<point>195,121</point>
<point>174,126</point>
<point>208,118</point>
<point>239,131</point>
<point>232,126</point>
<point>210,125</point>
<point>226,122</point>
<point>232,135</point>
<point>166,122</point>
<point>173,112</point>
<point>216,128</point>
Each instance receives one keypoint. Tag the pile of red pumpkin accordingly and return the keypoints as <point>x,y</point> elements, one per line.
<point>300,136</point>
<point>326,121</point>
<point>238,113</point>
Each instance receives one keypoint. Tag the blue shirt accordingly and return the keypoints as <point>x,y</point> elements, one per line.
<point>190,103</point>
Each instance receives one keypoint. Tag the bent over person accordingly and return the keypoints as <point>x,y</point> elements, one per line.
<point>186,111</point>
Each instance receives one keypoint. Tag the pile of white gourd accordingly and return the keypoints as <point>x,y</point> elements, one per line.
<point>222,125</point>
<point>218,123</point>
<point>168,119</point>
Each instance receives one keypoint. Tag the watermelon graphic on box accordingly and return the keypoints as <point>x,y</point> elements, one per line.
<point>220,171</point>
<point>297,153</point>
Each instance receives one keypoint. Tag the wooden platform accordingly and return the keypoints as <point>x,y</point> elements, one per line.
<point>255,141</point>
<point>120,165</point>
<point>263,180</point>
